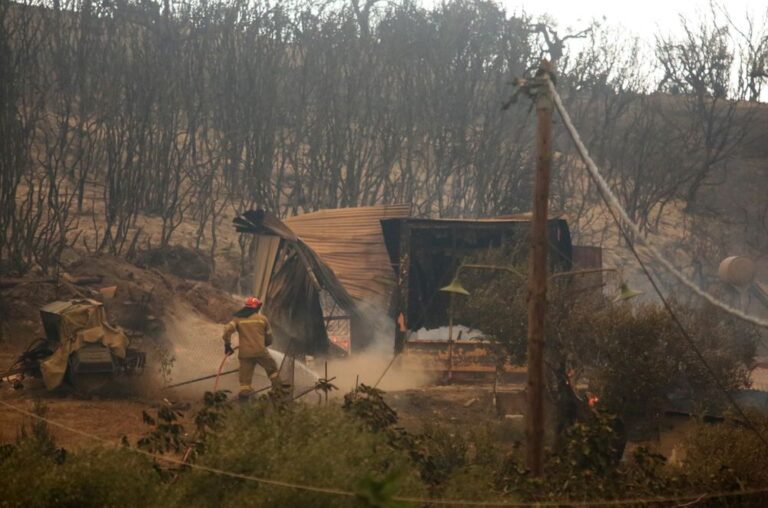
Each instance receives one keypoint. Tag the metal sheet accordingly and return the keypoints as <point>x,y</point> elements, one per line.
<point>351,242</point>
<point>263,261</point>
<point>297,277</point>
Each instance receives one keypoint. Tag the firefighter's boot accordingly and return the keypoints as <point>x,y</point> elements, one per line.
<point>244,393</point>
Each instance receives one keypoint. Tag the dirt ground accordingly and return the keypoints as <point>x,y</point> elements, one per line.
<point>461,407</point>
<point>107,419</point>
<point>174,317</point>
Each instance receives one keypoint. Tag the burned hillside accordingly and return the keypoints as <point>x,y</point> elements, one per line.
<point>382,254</point>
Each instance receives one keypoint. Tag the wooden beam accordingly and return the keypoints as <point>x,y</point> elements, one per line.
<point>537,281</point>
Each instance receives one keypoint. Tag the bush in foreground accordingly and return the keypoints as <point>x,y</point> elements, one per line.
<point>318,446</point>
<point>358,448</point>
<point>31,477</point>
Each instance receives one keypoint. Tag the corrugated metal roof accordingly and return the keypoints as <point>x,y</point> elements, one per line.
<point>520,217</point>
<point>320,274</point>
<point>350,241</point>
<point>292,300</point>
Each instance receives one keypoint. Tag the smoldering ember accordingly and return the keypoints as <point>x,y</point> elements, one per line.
<point>383,254</point>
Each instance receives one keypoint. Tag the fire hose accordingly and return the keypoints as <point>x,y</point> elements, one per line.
<point>218,375</point>
<point>221,366</point>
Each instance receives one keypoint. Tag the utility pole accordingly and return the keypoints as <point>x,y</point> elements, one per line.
<point>537,278</point>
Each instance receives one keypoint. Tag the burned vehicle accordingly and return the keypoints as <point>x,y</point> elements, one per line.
<point>80,347</point>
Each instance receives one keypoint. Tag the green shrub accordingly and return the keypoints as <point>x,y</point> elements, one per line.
<point>34,472</point>
<point>90,478</point>
<point>472,483</point>
<point>310,445</point>
<point>358,448</point>
<point>634,357</point>
<point>728,453</point>
<point>631,355</point>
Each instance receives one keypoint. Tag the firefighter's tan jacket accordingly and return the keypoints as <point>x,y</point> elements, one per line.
<point>254,332</point>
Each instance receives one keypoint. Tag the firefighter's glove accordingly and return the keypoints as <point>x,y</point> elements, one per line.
<point>228,349</point>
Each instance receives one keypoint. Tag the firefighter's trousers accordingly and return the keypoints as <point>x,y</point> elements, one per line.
<point>247,366</point>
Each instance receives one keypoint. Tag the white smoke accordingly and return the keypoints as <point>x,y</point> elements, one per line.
<point>198,350</point>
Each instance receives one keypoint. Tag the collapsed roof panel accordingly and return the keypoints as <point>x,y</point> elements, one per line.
<point>294,276</point>
<point>351,243</point>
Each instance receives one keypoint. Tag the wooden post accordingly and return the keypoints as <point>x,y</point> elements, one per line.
<point>450,340</point>
<point>326,380</point>
<point>403,281</point>
<point>537,279</point>
<point>293,374</point>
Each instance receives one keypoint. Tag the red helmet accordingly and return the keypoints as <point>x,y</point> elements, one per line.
<point>252,302</point>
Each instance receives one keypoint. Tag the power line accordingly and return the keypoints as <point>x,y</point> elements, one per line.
<point>613,203</point>
<point>610,200</point>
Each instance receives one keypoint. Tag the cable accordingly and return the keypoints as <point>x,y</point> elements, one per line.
<point>419,500</point>
<point>386,369</point>
<point>690,340</point>
<point>613,202</point>
<point>609,198</point>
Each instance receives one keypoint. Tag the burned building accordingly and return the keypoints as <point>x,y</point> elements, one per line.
<point>427,252</point>
<point>325,277</point>
<point>336,279</point>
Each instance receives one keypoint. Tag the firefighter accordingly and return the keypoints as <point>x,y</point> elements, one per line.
<point>255,335</point>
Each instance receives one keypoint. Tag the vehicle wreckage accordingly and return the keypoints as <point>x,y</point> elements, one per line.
<point>80,348</point>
